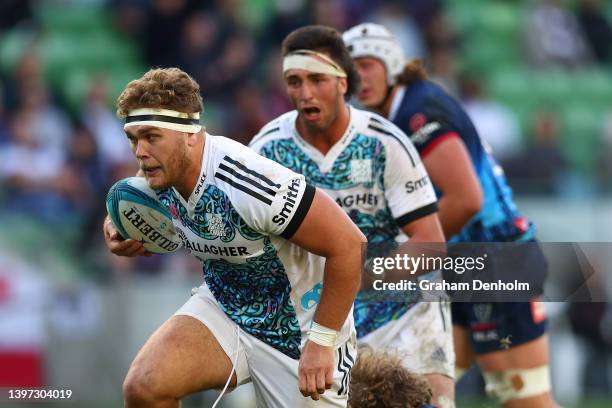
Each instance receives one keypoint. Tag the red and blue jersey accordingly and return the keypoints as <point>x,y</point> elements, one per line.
<point>429,115</point>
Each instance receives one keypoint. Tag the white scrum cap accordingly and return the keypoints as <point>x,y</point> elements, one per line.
<point>376,41</point>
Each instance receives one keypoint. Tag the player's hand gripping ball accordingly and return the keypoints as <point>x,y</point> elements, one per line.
<point>136,212</point>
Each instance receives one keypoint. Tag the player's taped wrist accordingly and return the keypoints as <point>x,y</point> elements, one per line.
<point>322,335</point>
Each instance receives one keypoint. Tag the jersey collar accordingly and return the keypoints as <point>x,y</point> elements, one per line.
<point>198,190</point>
<point>325,162</point>
<point>397,100</point>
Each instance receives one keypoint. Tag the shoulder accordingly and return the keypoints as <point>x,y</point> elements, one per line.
<point>279,128</point>
<point>390,135</point>
<point>259,188</point>
<point>235,166</point>
<point>382,127</point>
<point>426,96</point>
<point>221,146</point>
<point>426,89</point>
<point>436,101</point>
<point>371,124</point>
<point>427,112</point>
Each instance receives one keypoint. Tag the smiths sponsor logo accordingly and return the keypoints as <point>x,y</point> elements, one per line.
<point>289,202</point>
<point>361,171</point>
<point>412,186</point>
<point>216,226</point>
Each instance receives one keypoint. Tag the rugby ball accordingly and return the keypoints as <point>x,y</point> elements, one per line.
<point>136,212</point>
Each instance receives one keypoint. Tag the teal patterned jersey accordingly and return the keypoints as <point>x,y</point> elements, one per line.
<point>237,222</point>
<point>374,173</point>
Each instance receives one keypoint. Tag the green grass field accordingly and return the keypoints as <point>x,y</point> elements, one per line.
<point>486,403</point>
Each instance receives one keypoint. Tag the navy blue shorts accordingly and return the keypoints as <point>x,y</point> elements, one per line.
<point>499,326</point>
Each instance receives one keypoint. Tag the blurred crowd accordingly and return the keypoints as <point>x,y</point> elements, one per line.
<point>57,162</point>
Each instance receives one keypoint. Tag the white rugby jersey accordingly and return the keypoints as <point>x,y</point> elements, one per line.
<point>374,173</point>
<point>237,222</point>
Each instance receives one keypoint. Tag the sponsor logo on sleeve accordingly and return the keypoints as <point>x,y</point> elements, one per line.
<point>414,185</point>
<point>289,202</point>
<point>421,130</point>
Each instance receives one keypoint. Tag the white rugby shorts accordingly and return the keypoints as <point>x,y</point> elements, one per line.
<point>274,374</point>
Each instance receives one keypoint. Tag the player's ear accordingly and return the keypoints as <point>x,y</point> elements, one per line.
<point>192,139</point>
<point>342,86</point>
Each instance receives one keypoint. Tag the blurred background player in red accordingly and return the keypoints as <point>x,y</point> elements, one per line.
<point>476,205</point>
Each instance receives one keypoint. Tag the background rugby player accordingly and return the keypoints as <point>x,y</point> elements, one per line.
<point>364,162</point>
<point>476,205</point>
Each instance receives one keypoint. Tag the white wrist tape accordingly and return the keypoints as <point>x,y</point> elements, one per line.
<point>322,335</point>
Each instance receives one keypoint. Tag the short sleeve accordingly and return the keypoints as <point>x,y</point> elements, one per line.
<point>427,127</point>
<point>269,197</point>
<point>408,189</point>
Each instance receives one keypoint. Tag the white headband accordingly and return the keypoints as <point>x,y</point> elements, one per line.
<point>312,61</point>
<point>164,118</point>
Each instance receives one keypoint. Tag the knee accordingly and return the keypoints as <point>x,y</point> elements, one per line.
<point>139,390</point>
<point>443,389</point>
<point>514,384</point>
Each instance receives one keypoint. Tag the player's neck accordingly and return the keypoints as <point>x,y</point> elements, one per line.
<point>193,171</point>
<point>384,109</point>
<point>324,140</point>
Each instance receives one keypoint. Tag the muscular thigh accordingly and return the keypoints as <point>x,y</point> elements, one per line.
<point>527,355</point>
<point>464,352</point>
<point>180,358</point>
<point>443,388</point>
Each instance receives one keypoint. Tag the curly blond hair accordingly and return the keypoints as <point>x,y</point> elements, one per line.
<point>162,88</point>
<point>379,380</point>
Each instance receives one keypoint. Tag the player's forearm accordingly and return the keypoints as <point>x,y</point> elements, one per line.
<point>454,213</point>
<point>340,285</point>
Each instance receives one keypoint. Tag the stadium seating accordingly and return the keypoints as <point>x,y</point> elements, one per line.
<point>76,44</point>
<point>493,46</point>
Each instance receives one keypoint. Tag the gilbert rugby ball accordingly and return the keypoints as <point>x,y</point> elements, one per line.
<point>136,212</point>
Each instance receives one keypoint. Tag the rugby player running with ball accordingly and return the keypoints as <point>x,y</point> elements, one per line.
<point>275,308</point>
